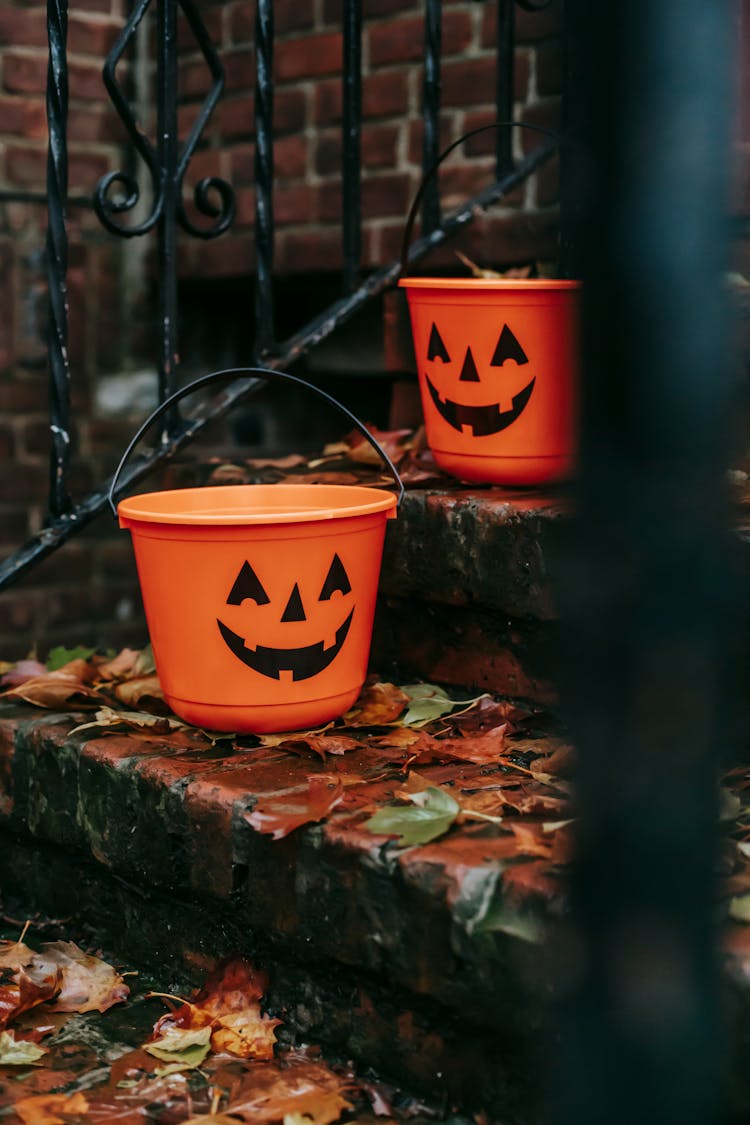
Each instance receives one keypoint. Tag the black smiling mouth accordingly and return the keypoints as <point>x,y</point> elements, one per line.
<point>482,420</point>
<point>301,662</point>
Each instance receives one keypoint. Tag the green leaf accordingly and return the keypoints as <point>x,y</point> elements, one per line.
<point>430,815</point>
<point>18,1052</point>
<point>60,656</point>
<point>188,1047</point>
<point>429,702</point>
<point>500,918</point>
<point>739,908</point>
<point>145,665</point>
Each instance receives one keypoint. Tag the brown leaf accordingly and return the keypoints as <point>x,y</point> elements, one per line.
<point>320,744</point>
<point>121,667</point>
<point>481,748</point>
<point>380,703</point>
<point>269,1093</point>
<point>22,671</point>
<point>14,954</point>
<point>51,1109</point>
<point>142,690</point>
<point>87,984</point>
<point>60,690</point>
<point>280,814</point>
<point>23,992</point>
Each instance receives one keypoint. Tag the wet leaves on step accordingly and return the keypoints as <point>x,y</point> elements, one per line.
<point>482,749</point>
<point>20,672</point>
<point>143,721</point>
<point>87,983</point>
<point>225,1016</point>
<point>142,691</point>
<point>60,656</point>
<point>59,690</point>
<point>319,745</point>
<point>428,702</point>
<point>51,1109</point>
<point>18,1052</point>
<point>430,814</point>
<point>379,704</point>
<point>280,814</point>
<point>22,992</point>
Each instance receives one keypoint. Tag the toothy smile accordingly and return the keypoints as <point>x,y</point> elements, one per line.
<point>301,662</point>
<point>481,420</point>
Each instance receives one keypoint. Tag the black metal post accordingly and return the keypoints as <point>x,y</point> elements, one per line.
<point>166,147</point>
<point>57,256</point>
<point>264,305</point>
<point>352,137</point>
<point>648,598</point>
<point>433,29</point>
<point>505,78</point>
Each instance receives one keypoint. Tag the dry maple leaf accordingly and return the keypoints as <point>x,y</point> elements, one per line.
<point>14,954</point>
<point>51,1109</point>
<point>272,1091</point>
<point>139,691</point>
<point>87,984</point>
<point>379,704</point>
<point>65,688</point>
<point>279,815</point>
<point>320,744</point>
<point>481,749</point>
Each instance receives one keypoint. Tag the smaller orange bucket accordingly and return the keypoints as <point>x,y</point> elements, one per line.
<point>497,363</point>
<point>259,598</point>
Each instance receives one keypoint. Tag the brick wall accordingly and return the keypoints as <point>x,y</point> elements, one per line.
<point>87,592</point>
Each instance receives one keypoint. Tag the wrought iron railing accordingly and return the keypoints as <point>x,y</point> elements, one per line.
<point>117,196</point>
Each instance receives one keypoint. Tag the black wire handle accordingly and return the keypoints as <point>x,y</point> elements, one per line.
<point>411,217</point>
<point>264,373</point>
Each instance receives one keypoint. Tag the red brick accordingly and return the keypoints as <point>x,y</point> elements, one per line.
<point>330,202</point>
<point>289,111</point>
<point>371,9</point>
<point>384,94</point>
<point>25,165</point>
<point>17,395</point>
<point>548,182</point>
<point>403,40</point>
<point>23,117</point>
<point>295,203</point>
<point>85,81</point>
<point>93,126</point>
<point>224,257</point>
<point>239,67</point>
<point>308,57</point>
<point>379,146</point>
<point>35,436</point>
<point>459,182</point>
<point>25,74</point>
<point>472,81</point>
<point>91,37</point>
<point>194,78</point>
<point>292,15</point>
<point>241,22</point>
<point>206,162</point>
<point>27,482</point>
<point>318,249</point>
<point>386,195</point>
<point>233,117</point>
<point>17,612</point>
<point>242,159</point>
<point>214,23</point>
<point>245,203</point>
<point>14,527</point>
<point>85,170</point>
<point>95,6</point>
<point>290,157</point>
<point>21,27</point>
<point>547,115</point>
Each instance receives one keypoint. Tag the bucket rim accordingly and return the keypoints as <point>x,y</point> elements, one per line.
<point>333,501</point>
<point>500,284</point>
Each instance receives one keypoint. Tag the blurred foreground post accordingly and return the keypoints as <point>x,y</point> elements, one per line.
<point>647,592</point>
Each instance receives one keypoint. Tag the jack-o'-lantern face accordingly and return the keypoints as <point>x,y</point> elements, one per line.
<point>480,420</point>
<point>301,662</point>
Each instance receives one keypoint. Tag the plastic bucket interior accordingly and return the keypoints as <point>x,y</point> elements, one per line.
<point>259,598</point>
<point>497,363</point>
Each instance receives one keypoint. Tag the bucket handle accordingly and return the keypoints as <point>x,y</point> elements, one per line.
<point>264,373</point>
<point>411,217</point>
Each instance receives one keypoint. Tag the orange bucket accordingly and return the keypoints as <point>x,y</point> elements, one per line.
<point>259,598</point>
<point>497,363</point>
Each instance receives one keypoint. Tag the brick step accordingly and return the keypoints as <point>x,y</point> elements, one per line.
<point>378,951</point>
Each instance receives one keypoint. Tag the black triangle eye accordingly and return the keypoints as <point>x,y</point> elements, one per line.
<point>247,585</point>
<point>336,579</point>
<point>508,347</point>
<point>436,349</point>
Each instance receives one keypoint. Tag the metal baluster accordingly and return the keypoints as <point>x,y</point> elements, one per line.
<point>57,256</point>
<point>649,595</point>
<point>505,79</point>
<point>352,136</point>
<point>166,78</point>
<point>264,305</point>
<point>431,112</point>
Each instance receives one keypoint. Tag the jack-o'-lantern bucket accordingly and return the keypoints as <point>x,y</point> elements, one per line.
<point>497,363</point>
<point>259,598</point>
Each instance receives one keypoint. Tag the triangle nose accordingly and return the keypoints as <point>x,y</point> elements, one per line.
<point>294,611</point>
<point>469,373</point>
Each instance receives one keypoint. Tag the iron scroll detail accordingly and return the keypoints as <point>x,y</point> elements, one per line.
<point>213,197</point>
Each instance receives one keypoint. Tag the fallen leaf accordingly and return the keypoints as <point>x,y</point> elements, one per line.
<point>739,908</point>
<point>380,703</point>
<point>183,1047</point>
<point>87,984</point>
<point>231,996</point>
<point>14,954</point>
<point>107,717</point>
<point>60,657</point>
<point>57,690</point>
<point>122,666</point>
<point>480,748</point>
<point>23,992</point>
<point>431,813</point>
<point>280,814</point>
<point>428,702</point>
<point>46,1109</point>
<point>18,1052</point>
<point>320,744</point>
<point>133,692</point>
<point>309,1089</point>
<point>22,671</point>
